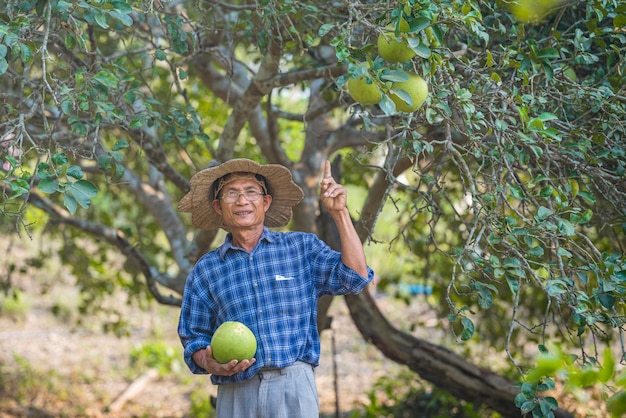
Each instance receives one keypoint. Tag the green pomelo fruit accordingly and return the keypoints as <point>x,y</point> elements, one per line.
<point>534,11</point>
<point>415,87</point>
<point>393,50</point>
<point>362,92</point>
<point>403,25</point>
<point>233,340</point>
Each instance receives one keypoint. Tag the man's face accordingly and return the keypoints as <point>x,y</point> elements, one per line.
<point>242,214</point>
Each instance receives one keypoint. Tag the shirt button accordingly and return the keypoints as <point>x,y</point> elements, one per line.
<point>260,310</point>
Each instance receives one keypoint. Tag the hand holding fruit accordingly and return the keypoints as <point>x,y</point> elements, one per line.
<point>235,346</point>
<point>208,363</point>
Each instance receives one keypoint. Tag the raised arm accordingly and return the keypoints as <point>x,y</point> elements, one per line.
<point>334,197</point>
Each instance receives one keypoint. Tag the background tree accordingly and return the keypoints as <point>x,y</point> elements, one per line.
<point>505,191</point>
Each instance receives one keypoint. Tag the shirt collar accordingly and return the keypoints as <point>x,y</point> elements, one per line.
<point>267,235</point>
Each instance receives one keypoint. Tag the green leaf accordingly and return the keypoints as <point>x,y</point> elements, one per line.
<point>520,398</point>
<point>70,203</point>
<point>547,405</point>
<point>105,162</point>
<point>516,273</point>
<point>616,404</point>
<point>324,29</point>
<point>511,263</point>
<point>535,124</point>
<point>62,6</point>
<point>485,295</point>
<point>26,54</point>
<point>75,172</point>
<point>60,159</point>
<point>551,133</point>
<point>19,187</point>
<point>564,253</point>
<point>588,197</point>
<point>607,371</point>
<point>101,20</point>
<point>4,66</point>
<point>566,227</point>
<point>120,144</point>
<point>494,260</point>
<point>418,24</point>
<point>607,299</point>
<point>123,18</point>
<point>387,105</point>
<point>422,51</point>
<point>403,95</point>
<point>548,53</point>
<point>582,219</point>
<point>501,125</point>
<point>556,287</point>
<point>394,75</point>
<point>66,106</point>
<point>546,191</point>
<point>107,78</point>
<point>517,192</point>
<point>160,55</point>
<point>468,329</point>
<point>543,213</point>
<point>619,21</point>
<point>44,170</point>
<point>536,251</point>
<point>121,6</point>
<point>81,192</point>
<point>527,407</point>
<point>513,284</point>
<point>49,185</point>
<point>136,122</point>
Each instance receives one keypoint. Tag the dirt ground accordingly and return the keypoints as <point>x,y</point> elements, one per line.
<point>99,365</point>
<point>94,370</point>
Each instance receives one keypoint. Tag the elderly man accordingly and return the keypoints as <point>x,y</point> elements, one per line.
<point>270,281</point>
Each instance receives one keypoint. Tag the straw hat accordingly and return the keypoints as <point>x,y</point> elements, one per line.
<point>285,193</point>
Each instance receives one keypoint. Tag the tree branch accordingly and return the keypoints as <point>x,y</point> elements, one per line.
<point>114,237</point>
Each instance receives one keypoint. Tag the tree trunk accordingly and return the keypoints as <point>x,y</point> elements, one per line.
<point>435,364</point>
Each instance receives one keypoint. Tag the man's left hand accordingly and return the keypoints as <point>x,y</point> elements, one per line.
<point>333,195</point>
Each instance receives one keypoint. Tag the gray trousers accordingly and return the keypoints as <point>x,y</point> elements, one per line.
<point>289,392</point>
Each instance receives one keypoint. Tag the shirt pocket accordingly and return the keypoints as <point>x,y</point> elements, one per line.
<point>291,295</point>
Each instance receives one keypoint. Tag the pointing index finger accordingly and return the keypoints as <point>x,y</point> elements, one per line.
<point>327,172</point>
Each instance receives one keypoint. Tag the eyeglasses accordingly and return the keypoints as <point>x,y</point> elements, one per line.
<point>233,196</point>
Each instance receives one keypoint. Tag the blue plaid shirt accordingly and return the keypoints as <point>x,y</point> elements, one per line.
<point>273,290</point>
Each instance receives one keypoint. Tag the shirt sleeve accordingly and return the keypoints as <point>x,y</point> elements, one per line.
<point>335,278</point>
<point>194,322</point>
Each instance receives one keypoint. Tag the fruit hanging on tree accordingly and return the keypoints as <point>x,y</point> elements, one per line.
<point>364,90</point>
<point>414,95</point>
<point>394,49</point>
